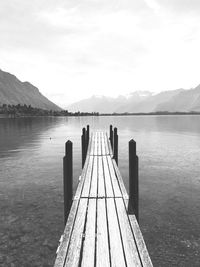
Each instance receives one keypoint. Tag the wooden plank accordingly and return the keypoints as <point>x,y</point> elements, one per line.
<point>62,249</point>
<point>101,138</point>
<point>126,204</point>
<point>108,185</point>
<point>101,184</point>
<point>82,179</point>
<point>116,189</point>
<point>109,145</point>
<point>95,144</point>
<point>89,243</point>
<point>120,180</point>
<point>87,181</point>
<point>73,253</point>
<point>99,144</point>
<point>144,255</point>
<point>106,144</point>
<point>130,248</point>
<point>94,181</point>
<point>116,248</point>
<point>103,144</point>
<point>102,249</point>
<point>92,144</point>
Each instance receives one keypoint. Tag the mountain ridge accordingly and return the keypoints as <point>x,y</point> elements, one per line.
<point>13,92</point>
<point>178,100</point>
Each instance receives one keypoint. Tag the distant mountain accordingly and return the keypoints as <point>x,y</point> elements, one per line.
<point>186,100</point>
<point>106,104</point>
<point>151,103</point>
<point>13,92</point>
<point>97,103</point>
<point>143,101</point>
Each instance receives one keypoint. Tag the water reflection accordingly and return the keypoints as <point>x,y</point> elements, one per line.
<point>16,134</point>
<point>31,151</point>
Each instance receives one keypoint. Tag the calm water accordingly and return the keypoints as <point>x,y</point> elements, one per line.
<point>31,151</point>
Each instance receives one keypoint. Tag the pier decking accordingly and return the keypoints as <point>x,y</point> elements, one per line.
<point>100,231</point>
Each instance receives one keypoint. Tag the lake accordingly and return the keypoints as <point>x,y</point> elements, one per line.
<point>31,201</point>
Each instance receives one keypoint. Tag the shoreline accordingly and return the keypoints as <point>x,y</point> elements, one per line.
<point>2,116</point>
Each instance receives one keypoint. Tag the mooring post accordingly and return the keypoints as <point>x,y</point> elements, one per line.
<point>88,136</point>
<point>111,136</point>
<point>133,205</point>
<point>115,145</point>
<point>83,144</point>
<point>68,178</point>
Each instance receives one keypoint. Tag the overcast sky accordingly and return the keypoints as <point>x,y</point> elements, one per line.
<point>73,49</point>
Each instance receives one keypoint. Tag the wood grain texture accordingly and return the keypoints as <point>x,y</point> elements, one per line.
<point>89,242</point>
<point>89,144</point>
<point>87,181</point>
<point>110,151</point>
<point>102,247</point>
<point>91,150</point>
<point>120,180</point>
<point>108,184</point>
<point>130,248</point>
<point>82,180</point>
<point>99,144</point>
<point>94,181</point>
<point>101,183</point>
<point>62,250</point>
<point>106,144</point>
<point>144,255</point>
<point>96,144</point>
<point>116,245</point>
<point>115,183</point>
<point>73,253</point>
<point>103,144</point>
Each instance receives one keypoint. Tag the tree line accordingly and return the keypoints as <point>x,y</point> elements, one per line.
<point>27,110</point>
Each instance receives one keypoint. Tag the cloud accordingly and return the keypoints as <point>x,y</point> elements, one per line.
<point>83,47</point>
<point>182,6</point>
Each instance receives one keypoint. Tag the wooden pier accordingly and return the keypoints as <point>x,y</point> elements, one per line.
<point>101,219</point>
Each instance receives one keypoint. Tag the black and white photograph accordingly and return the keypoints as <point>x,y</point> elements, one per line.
<point>99,133</point>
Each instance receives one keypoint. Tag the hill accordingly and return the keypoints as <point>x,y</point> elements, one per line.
<point>13,92</point>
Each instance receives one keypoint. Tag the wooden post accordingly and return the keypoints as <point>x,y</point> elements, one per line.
<point>83,144</point>
<point>133,206</point>
<point>88,135</point>
<point>115,145</point>
<point>68,178</point>
<point>111,136</point>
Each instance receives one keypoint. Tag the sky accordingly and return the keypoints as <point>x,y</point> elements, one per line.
<point>73,49</point>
